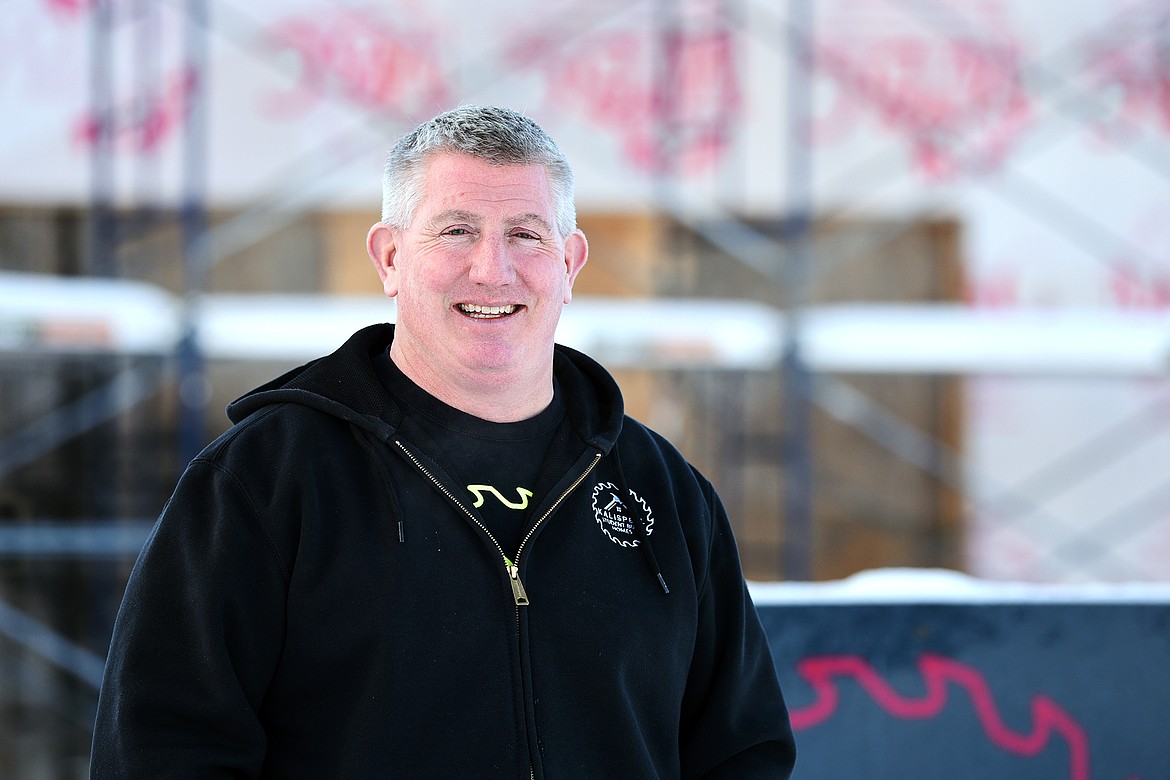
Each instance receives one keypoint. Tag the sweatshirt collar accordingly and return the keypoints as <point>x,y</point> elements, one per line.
<point>346,384</point>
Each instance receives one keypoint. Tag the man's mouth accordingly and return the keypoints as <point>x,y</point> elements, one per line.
<point>478,312</point>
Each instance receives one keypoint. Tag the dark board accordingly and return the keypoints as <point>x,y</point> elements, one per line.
<point>976,691</point>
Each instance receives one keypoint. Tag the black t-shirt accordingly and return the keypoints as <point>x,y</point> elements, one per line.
<point>499,466</point>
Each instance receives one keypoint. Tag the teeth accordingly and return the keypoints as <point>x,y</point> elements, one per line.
<point>475,310</point>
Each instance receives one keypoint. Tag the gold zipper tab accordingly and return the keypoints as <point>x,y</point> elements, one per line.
<point>517,586</point>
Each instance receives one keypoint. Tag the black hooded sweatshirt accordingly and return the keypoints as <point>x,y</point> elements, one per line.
<point>317,601</point>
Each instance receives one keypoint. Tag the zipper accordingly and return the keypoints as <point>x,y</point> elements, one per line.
<point>512,568</point>
<point>545,516</point>
<point>518,591</point>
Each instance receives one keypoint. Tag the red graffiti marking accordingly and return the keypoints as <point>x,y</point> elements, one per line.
<point>1131,291</point>
<point>938,672</point>
<point>676,120</point>
<point>959,100</point>
<point>352,54</point>
<point>992,291</point>
<point>75,9</point>
<point>70,7</point>
<point>1132,66</point>
<point>1141,281</point>
<point>142,125</point>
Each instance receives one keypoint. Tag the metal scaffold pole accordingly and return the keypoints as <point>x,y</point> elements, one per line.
<point>103,232</point>
<point>193,386</point>
<point>797,380</point>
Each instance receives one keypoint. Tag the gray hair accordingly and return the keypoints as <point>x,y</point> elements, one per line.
<point>495,135</point>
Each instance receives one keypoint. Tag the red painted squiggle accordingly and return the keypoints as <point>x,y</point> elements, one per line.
<point>142,125</point>
<point>937,672</point>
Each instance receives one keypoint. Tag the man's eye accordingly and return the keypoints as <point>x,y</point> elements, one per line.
<point>457,231</point>
<point>525,234</point>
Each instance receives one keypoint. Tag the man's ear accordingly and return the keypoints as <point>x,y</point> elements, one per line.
<point>576,253</point>
<point>382,246</point>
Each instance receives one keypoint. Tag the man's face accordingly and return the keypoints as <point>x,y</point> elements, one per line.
<point>480,276</point>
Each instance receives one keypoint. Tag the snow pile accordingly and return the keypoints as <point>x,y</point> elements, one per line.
<point>906,586</point>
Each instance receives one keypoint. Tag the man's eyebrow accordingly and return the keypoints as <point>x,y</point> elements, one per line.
<point>471,218</point>
<point>533,217</point>
<point>454,215</point>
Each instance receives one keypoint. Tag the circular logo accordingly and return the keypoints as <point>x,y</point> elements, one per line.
<point>617,514</point>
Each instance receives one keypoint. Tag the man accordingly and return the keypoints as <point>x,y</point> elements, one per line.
<point>443,551</point>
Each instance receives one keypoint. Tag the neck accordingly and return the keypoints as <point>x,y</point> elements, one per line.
<point>496,397</point>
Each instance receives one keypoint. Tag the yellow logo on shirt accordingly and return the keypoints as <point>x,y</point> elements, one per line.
<point>479,490</point>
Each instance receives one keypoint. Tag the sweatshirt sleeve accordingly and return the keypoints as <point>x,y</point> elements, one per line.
<point>735,722</point>
<point>195,642</point>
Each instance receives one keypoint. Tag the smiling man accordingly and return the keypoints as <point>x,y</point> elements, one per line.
<point>444,550</point>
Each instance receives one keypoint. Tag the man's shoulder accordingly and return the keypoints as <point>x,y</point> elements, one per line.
<point>635,431</point>
<point>274,432</point>
<point>652,449</point>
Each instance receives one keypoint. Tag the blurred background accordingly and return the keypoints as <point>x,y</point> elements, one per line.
<point>894,274</point>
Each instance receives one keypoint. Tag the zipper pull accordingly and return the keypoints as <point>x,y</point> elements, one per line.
<point>517,585</point>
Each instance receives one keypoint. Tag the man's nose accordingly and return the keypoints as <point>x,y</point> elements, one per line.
<point>491,262</point>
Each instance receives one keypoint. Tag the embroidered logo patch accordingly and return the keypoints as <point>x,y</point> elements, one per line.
<point>616,514</point>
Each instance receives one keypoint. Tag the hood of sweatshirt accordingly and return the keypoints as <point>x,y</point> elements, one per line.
<point>345,384</point>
